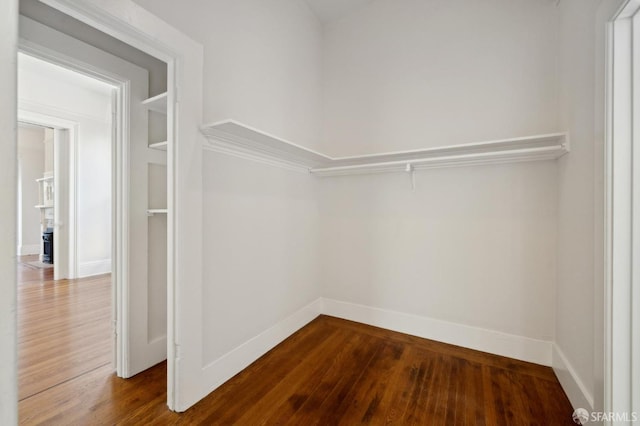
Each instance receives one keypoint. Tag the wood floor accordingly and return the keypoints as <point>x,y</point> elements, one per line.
<point>63,328</point>
<point>330,372</point>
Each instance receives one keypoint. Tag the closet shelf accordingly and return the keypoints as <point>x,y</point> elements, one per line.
<point>157,103</point>
<point>162,146</point>
<point>152,212</point>
<point>234,138</point>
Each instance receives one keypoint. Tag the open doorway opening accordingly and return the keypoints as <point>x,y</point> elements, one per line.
<point>65,177</point>
<point>110,143</point>
<point>35,195</point>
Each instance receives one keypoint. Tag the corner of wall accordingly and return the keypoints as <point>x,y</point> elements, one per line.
<point>491,341</point>
<point>573,386</point>
<point>236,360</point>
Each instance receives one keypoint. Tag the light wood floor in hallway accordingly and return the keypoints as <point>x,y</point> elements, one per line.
<point>330,372</point>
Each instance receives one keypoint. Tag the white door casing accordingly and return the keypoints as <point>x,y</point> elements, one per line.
<point>65,141</point>
<point>622,218</point>
<point>135,350</point>
<point>63,204</point>
<point>8,218</point>
<point>128,22</point>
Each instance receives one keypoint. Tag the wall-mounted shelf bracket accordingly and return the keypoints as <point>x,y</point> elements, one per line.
<point>409,169</point>
<point>153,212</point>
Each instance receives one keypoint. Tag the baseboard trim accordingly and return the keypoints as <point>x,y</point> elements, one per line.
<point>29,249</point>
<point>96,267</point>
<point>233,362</point>
<point>495,342</point>
<point>573,386</point>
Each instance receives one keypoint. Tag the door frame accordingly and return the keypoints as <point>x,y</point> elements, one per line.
<point>66,254</point>
<point>119,186</point>
<point>622,212</point>
<point>131,24</point>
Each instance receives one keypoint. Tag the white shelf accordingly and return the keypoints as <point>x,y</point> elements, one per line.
<point>530,148</point>
<point>152,212</point>
<point>157,103</point>
<point>234,138</point>
<point>161,146</point>
<point>42,206</point>
<point>45,179</point>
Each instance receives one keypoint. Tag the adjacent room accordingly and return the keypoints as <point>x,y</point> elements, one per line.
<point>346,211</point>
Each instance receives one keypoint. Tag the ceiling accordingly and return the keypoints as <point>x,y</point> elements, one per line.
<point>330,10</point>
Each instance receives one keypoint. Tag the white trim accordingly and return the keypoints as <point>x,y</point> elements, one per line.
<point>94,267</point>
<point>240,140</point>
<point>573,386</point>
<point>481,339</point>
<point>55,118</point>
<point>28,249</point>
<point>491,341</point>
<point>132,24</point>
<point>621,182</point>
<point>233,362</point>
<point>8,217</point>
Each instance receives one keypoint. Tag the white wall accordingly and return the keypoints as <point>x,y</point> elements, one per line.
<point>30,168</point>
<point>262,62</point>
<point>581,283</point>
<point>472,246</point>
<point>574,333</point>
<point>261,245</point>
<point>408,74</point>
<point>261,67</point>
<point>398,75</point>
<point>511,248</point>
<point>46,88</point>
<point>48,151</point>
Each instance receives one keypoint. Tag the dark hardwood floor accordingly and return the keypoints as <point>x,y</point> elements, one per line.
<point>330,372</point>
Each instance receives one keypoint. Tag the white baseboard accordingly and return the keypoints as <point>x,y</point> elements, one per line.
<point>233,362</point>
<point>96,267</point>
<point>29,249</point>
<point>495,342</point>
<point>573,386</point>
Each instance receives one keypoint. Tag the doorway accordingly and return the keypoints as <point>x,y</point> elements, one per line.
<point>183,59</point>
<point>65,297</point>
<point>138,189</point>
<point>35,195</point>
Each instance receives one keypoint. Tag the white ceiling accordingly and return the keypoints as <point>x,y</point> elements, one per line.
<point>329,10</point>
